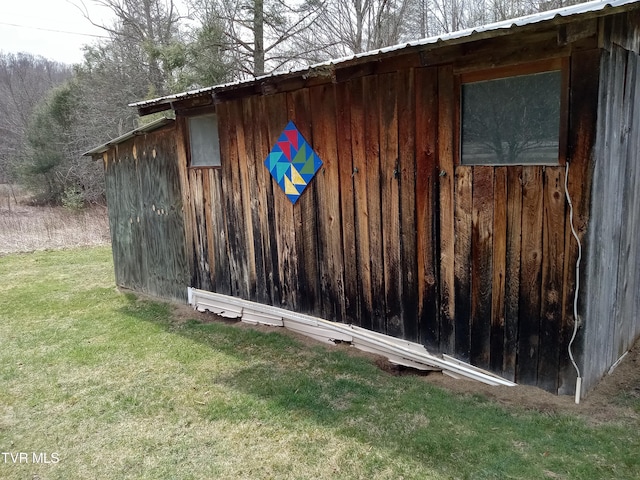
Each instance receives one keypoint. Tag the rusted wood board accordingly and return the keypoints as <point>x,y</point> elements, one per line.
<point>372,175</point>
<point>446,121</point>
<point>530,274</point>
<point>390,198</point>
<point>347,210</point>
<point>499,269</point>
<point>427,247</point>
<point>481,265</point>
<point>463,218</point>
<point>361,205</point>
<point>323,108</point>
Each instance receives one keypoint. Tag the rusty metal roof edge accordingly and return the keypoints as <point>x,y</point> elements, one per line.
<point>149,127</point>
<point>531,19</point>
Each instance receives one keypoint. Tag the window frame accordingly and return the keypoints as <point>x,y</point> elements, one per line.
<point>189,146</point>
<point>560,64</point>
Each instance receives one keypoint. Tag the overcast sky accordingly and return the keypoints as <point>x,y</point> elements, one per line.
<point>54,29</point>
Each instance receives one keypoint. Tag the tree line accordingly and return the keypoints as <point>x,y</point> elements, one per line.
<point>50,113</point>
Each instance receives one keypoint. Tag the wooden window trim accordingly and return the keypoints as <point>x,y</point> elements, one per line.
<point>561,64</point>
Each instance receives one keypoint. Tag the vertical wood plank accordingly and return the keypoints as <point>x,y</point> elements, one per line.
<point>216,230</point>
<point>408,236</point>
<point>427,247</point>
<point>463,214</point>
<point>513,254</point>
<point>583,113</point>
<point>210,219</point>
<point>187,209</point>
<point>553,232</point>
<point>284,221</point>
<point>202,253</point>
<point>499,269</point>
<point>265,207</point>
<point>372,174</point>
<point>259,289</point>
<point>361,204</point>
<point>446,117</point>
<point>390,197</point>
<point>305,215</point>
<point>345,165</point>
<point>247,167</point>
<point>228,119</point>
<point>530,275</point>
<point>481,265</point>
<point>323,114</point>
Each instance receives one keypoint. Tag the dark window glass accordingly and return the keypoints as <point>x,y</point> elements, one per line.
<point>512,121</point>
<point>204,141</point>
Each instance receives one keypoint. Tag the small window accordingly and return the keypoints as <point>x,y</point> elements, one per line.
<point>204,141</point>
<point>514,120</point>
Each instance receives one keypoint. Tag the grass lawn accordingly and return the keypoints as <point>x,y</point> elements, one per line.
<point>105,386</point>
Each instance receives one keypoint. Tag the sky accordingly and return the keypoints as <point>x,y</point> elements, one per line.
<point>54,29</point>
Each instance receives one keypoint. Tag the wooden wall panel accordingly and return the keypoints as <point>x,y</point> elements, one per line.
<point>361,203</point>
<point>499,270</point>
<point>613,251</point>
<point>446,125</point>
<point>305,214</point>
<point>217,235</point>
<point>390,198</point>
<point>239,248</point>
<point>512,272</point>
<point>327,180</point>
<point>246,180</point>
<point>265,208</point>
<point>407,179</point>
<point>345,166</point>
<point>551,312</point>
<point>187,210</point>
<point>481,265</point>
<point>284,221</point>
<point>463,218</point>
<point>530,275</point>
<point>427,198</point>
<point>372,175</point>
<point>145,210</point>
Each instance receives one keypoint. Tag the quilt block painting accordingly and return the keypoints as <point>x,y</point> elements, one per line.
<point>292,162</point>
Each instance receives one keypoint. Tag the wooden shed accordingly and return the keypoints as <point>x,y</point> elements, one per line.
<point>452,172</point>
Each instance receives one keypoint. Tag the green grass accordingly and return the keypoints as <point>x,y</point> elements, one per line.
<point>117,388</point>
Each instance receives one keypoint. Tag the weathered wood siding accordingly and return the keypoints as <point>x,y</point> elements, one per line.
<point>612,293</point>
<point>145,215</point>
<point>393,234</point>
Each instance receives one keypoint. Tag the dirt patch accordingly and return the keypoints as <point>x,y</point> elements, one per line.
<point>615,399</point>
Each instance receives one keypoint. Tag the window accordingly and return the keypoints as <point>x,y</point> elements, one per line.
<point>512,120</point>
<point>204,141</point>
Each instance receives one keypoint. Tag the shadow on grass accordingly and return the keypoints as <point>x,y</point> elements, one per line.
<point>414,422</point>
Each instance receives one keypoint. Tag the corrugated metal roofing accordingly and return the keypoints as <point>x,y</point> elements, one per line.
<point>149,127</point>
<point>496,27</point>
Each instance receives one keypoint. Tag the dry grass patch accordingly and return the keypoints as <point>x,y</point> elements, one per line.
<point>24,228</point>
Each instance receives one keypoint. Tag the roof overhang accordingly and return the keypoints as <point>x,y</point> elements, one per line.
<point>149,127</point>
<point>207,96</point>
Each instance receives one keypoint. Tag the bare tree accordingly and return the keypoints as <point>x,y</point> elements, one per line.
<point>353,26</point>
<point>263,35</point>
<point>152,27</point>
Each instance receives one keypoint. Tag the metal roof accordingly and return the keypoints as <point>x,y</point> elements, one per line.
<point>492,29</point>
<point>149,127</point>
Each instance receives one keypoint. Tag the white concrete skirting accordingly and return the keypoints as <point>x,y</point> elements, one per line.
<point>398,351</point>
